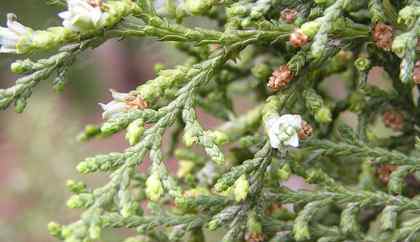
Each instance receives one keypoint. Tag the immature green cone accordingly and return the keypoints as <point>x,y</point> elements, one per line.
<point>190,137</point>
<point>54,229</point>
<point>261,71</point>
<point>219,137</point>
<point>408,15</point>
<point>95,231</point>
<point>82,200</point>
<point>284,173</point>
<point>315,104</point>
<point>241,188</point>
<point>154,188</point>
<point>134,131</point>
<point>76,187</point>
<point>21,66</point>
<point>401,44</point>
<point>310,28</point>
<point>362,64</point>
<point>199,7</point>
<point>185,168</point>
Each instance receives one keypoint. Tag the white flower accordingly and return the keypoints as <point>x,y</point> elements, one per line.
<point>116,106</point>
<point>10,36</point>
<point>82,15</point>
<point>283,131</point>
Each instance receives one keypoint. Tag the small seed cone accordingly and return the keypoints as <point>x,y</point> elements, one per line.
<point>280,78</point>
<point>394,120</point>
<point>298,39</point>
<point>382,34</point>
<point>306,131</point>
<point>383,172</point>
<point>288,15</point>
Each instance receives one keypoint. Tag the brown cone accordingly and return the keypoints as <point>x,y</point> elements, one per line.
<point>383,35</point>
<point>280,78</point>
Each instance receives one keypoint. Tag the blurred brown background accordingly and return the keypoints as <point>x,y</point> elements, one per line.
<point>38,149</point>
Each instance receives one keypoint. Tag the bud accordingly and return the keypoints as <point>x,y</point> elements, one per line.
<point>383,35</point>
<point>288,15</point>
<point>54,229</point>
<point>76,187</point>
<point>237,10</point>
<point>87,166</point>
<point>20,104</point>
<point>280,78</point>
<point>66,232</point>
<point>95,231</point>
<point>21,66</point>
<point>154,189</point>
<point>158,67</point>
<point>362,64</point>
<point>261,71</point>
<point>301,233</point>
<point>219,137</point>
<point>83,200</point>
<point>83,167</point>
<point>399,45</point>
<point>241,188</point>
<point>134,131</point>
<point>198,7</point>
<point>310,28</point>
<point>109,128</point>
<point>213,224</point>
<point>190,137</point>
<point>323,115</point>
<point>305,130</point>
<point>185,168</point>
<point>408,15</point>
<point>394,120</point>
<point>357,102</point>
<point>129,209</point>
<point>284,173</point>
<point>298,38</point>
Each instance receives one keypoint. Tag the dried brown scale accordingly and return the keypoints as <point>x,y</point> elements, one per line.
<point>305,131</point>
<point>280,78</point>
<point>95,3</point>
<point>136,102</point>
<point>383,35</point>
<point>288,15</point>
<point>394,120</point>
<point>416,73</point>
<point>254,237</point>
<point>383,172</point>
<point>298,39</point>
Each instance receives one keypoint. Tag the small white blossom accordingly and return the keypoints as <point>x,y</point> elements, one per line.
<point>116,106</point>
<point>283,131</point>
<point>82,16</point>
<point>10,36</point>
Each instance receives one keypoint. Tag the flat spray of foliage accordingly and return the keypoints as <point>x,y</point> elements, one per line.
<point>279,52</point>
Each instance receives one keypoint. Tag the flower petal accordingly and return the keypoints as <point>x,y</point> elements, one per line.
<point>119,96</point>
<point>293,141</point>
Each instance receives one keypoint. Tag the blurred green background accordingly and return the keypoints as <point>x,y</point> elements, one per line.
<point>38,148</point>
